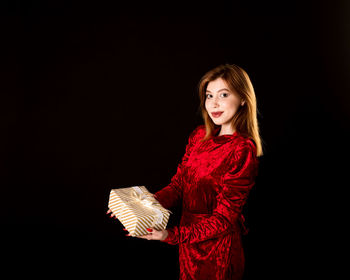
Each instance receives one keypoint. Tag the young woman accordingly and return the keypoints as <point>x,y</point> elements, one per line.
<point>213,180</point>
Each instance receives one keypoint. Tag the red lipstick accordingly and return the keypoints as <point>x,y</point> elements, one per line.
<point>216,114</point>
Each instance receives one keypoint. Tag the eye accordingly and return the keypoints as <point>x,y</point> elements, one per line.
<point>224,94</point>
<point>209,96</point>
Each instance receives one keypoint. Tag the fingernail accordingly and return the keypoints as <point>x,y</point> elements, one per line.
<point>149,229</point>
<point>125,229</point>
<point>127,235</point>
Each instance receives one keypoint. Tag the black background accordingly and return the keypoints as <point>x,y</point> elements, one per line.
<point>97,96</point>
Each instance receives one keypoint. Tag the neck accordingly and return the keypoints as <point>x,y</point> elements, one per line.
<point>226,130</point>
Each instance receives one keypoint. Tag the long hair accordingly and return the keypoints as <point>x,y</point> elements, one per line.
<point>245,120</point>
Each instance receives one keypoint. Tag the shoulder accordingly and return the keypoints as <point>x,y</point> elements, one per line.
<point>243,146</point>
<point>198,133</point>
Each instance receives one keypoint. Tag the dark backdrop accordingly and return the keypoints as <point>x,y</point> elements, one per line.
<point>97,96</point>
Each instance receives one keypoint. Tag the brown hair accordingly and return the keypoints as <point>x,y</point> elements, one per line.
<point>245,120</point>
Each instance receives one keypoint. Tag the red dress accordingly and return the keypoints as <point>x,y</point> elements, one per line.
<point>212,183</point>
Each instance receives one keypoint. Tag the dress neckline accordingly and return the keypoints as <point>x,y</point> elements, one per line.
<point>221,139</point>
<point>216,131</point>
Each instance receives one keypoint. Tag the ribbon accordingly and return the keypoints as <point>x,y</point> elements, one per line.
<point>140,197</point>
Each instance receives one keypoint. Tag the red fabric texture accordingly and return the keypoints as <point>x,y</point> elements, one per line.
<point>211,184</point>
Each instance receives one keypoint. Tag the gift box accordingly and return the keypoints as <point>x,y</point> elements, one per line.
<point>137,209</point>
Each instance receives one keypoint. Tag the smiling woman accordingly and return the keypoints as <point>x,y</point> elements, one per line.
<point>213,181</point>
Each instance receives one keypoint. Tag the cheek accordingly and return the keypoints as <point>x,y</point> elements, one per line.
<point>206,105</point>
<point>231,105</point>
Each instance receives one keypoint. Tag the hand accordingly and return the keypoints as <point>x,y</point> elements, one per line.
<point>155,234</point>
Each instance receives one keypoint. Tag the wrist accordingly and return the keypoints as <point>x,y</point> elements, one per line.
<point>165,234</point>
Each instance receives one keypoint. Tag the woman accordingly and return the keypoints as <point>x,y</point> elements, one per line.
<point>213,180</point>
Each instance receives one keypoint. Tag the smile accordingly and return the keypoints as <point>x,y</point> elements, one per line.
<point>216,114</point>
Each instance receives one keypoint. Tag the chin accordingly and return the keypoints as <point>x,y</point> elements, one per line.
<point>217,123</point>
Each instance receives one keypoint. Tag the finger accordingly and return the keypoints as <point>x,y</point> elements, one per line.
<point>147,236</point>
<point>110,213</point>
<point>142,237</point>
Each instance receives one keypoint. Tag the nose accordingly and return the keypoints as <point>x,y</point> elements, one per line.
<point>215,102</point>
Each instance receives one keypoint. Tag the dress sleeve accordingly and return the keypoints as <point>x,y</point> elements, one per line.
<point>170,195</point>
<point>235,186</point>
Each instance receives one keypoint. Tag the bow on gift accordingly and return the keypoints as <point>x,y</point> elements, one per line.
<point>140,197</point>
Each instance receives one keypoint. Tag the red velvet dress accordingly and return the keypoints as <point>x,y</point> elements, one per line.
<point>212,183</point>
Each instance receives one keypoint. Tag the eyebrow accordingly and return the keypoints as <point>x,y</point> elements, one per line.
<point>219,90</point>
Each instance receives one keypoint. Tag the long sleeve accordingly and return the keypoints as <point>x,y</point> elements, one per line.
<point>170,195</point>
<point>235,186</point>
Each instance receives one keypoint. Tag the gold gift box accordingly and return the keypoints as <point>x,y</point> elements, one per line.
<point>137,209</point>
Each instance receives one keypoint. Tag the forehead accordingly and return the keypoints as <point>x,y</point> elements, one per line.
<point>216,85</point>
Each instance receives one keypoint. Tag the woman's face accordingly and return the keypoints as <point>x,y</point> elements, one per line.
<point>221,104</point>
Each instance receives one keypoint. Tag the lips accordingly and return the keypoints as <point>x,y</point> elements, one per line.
<point>216,114</point>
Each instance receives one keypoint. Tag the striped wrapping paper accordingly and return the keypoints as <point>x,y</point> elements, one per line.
<point>137,209</point>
